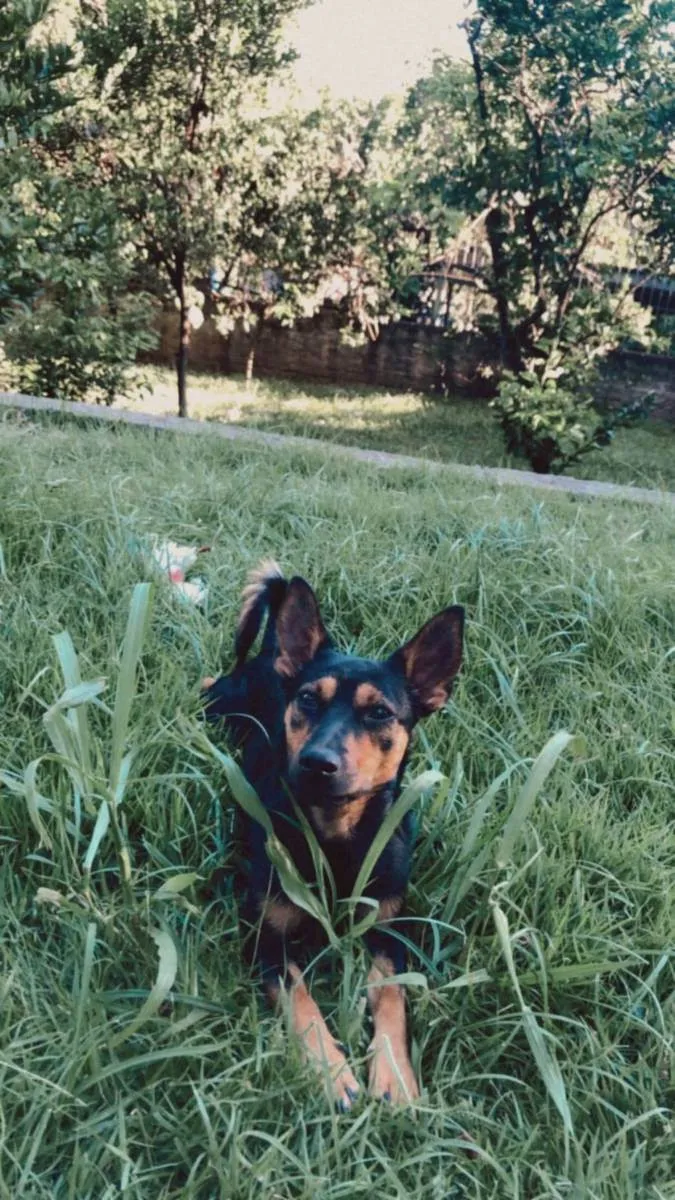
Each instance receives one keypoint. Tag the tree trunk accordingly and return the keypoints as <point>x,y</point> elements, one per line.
<point>182,356</point>
<point>510,349</point>
<point>256,338</point>
<point>542,456</point>
<point>250,363</point>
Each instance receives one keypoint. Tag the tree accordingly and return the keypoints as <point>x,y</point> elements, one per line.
<point>568,118</point>
<point>34,77</point>
<point>178,87</point>
<point>318,223</point>
<point>69,326</point>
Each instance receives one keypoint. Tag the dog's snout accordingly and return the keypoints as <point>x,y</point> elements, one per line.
<point>319,762</point>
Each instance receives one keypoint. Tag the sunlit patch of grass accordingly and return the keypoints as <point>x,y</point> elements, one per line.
<point>135,1058</point>
<point>452,430</point>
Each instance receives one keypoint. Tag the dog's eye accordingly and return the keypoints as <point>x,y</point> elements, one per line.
<point>307,700</point>
<point>378,713</point>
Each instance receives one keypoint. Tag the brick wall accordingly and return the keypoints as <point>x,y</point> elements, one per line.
<point>628,376</point>
<point>406,357</point>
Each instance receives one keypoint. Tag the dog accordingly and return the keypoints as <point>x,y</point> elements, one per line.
<point>330,733</point>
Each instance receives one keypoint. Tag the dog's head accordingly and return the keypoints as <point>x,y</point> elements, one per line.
<point>348,720</point>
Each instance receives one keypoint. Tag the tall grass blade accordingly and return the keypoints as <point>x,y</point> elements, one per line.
<point>79,694</point>
<point>464,880</point>
<point>85,979</point>
<point>100,829</point>
<point>541,769</point>
<point>176,885</point>
<point>123,777</point>
<point>480,811</point>
<point>70,669</point>
<point>547,1065</point>
<point>63,738</point>
<point>126,680</point>
<point>408,798</point>
<point>42,804</point>
<point>548,1068</point>
<point>32,803</point>
<point>167,970</point>
<point>296,888</point>
<point>245,795</point>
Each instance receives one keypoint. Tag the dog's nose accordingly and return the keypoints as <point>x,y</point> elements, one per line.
<point>319,762</point>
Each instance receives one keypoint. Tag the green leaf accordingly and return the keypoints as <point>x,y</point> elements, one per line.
<point>32,802</point>
<point>175,885</point>
<point>74,697</point>
<point>548,1068</point>
<point>296,888</point>
<point>408,798</point>
<point>244,794</point>
<point>167,970</point>
<point>406,979</point>
<point>100,829</point>
<point>539,773</point>
<point>126,681</point>
<point>546,1063</point>
<point>70,668</point>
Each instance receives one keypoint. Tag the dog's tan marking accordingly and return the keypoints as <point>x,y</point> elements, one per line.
<point>318,1045</point>
<point>391,1075</point>
<point>282,916</point>
<point>325,688</point>
<point>367,694</point>
<point>297,730</point>
<point>208,682</point>
<point>374,756</point>
<point>389,908</point>
<point>339,820</point>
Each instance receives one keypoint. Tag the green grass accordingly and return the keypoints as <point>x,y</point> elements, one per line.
<point>546,947</point>
<point>455,430</point>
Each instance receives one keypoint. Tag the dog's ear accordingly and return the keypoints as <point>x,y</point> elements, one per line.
<point>300,630</point>
<point>430,660</point>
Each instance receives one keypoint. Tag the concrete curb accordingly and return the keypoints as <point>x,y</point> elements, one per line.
<point>378,458</point>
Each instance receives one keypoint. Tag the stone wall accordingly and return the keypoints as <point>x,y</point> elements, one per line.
<point>628,376</point>
<point>406,357</point>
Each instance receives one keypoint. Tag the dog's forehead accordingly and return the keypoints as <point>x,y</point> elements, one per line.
<point>363,678</point>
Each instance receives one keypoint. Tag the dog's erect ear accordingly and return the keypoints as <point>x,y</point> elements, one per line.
<point>300,630</point>
<point>431,659</point>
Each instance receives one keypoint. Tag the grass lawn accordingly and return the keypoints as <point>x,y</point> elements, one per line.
<point>544,1033</point>
<point>455,431</point>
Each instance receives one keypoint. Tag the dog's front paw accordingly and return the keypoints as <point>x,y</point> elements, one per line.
<point>344,1087</point>
<point>391,1075</point>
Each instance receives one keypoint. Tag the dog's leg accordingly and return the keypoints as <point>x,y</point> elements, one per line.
<point>391,1075</point>
<point>317,1044</point>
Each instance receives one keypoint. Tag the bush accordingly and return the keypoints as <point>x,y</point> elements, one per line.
<point>548,411</point>
<point>79,347</point>
<point>78,335</point>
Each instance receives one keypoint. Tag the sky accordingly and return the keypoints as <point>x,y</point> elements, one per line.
<point>366,48</point>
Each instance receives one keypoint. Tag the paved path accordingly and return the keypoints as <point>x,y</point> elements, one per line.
<point>377,458</point>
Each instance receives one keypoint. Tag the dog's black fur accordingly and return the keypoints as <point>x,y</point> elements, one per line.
<point>333,731</point>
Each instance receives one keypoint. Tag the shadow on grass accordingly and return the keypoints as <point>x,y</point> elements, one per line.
<point>455,429</point>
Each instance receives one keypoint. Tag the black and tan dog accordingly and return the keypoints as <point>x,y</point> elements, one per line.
<point>334,731</point>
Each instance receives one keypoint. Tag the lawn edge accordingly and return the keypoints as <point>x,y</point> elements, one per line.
<point>598,489</point>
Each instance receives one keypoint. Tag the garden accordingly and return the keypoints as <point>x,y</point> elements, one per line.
<point>136,1057</point>
<point>158,167</point>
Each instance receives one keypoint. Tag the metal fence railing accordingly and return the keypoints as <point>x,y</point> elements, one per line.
<point>454,292</point>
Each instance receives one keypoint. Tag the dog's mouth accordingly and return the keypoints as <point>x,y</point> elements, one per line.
<point>324,790</point>
<point>329,794</point>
